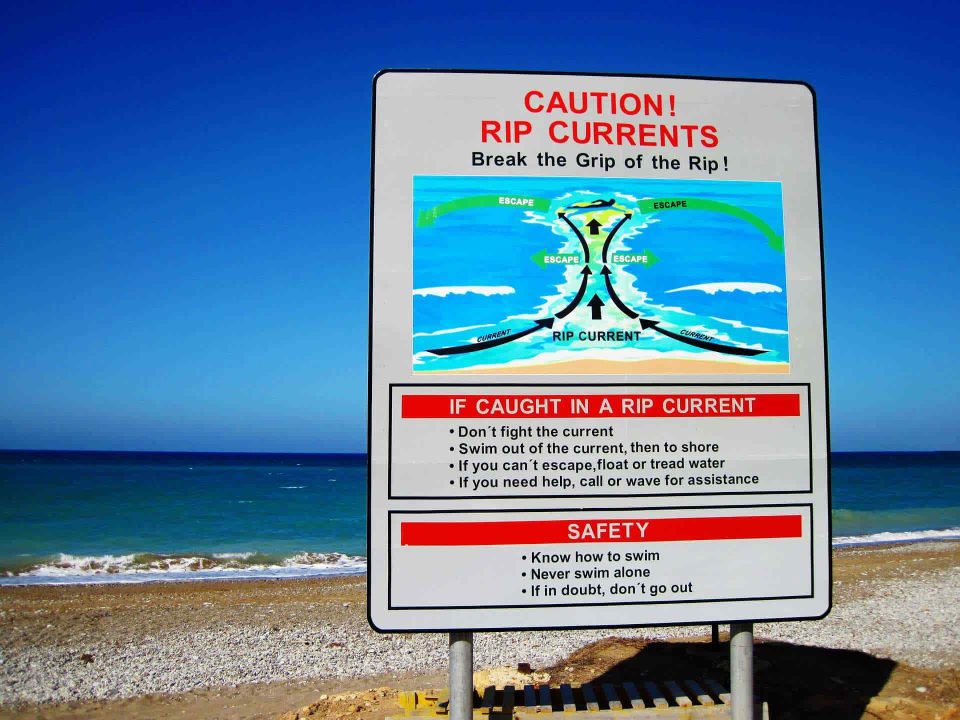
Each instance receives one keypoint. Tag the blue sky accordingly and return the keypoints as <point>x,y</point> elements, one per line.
<point>184,199</point>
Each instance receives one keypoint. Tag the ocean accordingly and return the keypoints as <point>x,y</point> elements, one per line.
<point>68,517</point>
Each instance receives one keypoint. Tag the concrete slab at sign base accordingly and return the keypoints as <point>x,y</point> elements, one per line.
<point>692,699</point>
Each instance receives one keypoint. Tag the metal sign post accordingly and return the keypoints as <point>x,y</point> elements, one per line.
<point>741,670</point>
<point>461,676</point>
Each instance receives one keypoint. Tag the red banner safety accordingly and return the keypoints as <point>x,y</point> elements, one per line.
<point>549,532</point>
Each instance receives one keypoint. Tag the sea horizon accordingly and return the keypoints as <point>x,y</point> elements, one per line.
<point>95,516</point>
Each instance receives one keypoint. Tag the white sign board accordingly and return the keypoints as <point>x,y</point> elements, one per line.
<point>598,390</point>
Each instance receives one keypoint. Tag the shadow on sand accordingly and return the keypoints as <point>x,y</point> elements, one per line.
<point>796,681</point>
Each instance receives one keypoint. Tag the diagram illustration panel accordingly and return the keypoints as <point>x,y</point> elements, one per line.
<point>517,275</point>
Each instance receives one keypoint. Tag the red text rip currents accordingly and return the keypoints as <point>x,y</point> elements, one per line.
<point>625,119</point>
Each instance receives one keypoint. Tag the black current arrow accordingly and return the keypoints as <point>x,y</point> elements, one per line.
<point>595,305</point>
<point>613,295</point>
<point>475,347</point>
<point>594,227</point>
<point>586,272</point>
<point>706,345</point>
<point>583,242</point>
<point>606,243</point>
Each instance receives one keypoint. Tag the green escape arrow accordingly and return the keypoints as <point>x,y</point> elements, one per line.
<point>429,216</point>
<point>646,258</point>
<point>679,203</point>
<point>543,258</point>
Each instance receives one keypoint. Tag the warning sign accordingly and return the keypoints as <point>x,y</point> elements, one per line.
<point>591,403</point>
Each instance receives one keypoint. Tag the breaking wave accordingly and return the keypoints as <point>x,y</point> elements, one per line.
<point>450,331</point>
<point>893,537</point>
<point>713,288</point>
<point>465,290</point>
<point>150,567</point>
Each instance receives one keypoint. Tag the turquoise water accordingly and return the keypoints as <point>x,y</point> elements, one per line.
<point>113,517</point>
<point>879,496</point>
<point>713,273</point>
<point>133,515</point>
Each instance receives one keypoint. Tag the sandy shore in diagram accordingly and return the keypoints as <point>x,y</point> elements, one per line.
<point>671,366</point>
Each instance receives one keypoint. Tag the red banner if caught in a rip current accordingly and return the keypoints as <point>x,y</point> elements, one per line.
<point>469,406</point>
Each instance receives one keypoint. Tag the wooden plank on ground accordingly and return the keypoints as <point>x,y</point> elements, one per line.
<point>679,694</point>
<point>613,697</point>
<point>509,698</point>
<point>718,690</point>
<point>656,694</point>
<point>546,704</point>
<point>529,697</point>
<point>702,696</point>
<point>489,698</point>
<point>589,698</point>
<point>633,694</point>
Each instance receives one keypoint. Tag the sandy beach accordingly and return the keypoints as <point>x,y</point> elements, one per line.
<point>258,649</point>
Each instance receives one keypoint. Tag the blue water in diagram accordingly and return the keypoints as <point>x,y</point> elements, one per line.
<point>533,274</point>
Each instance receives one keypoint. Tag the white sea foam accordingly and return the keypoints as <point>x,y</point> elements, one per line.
<point>148,567</point>
<point>445,290</point>
<point>892,537</point>
<point>713,288</point>
<point>713,333</point>
<point>449,331</point>
<point>739,325</point>
<point>532,217</point>
<point>67,564</point>
<point>526,316</point>
<point>673,309</point>
<point>73,566</point>
<point>325,560</point>
<point>723,337</point>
